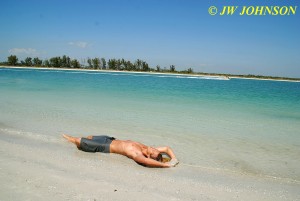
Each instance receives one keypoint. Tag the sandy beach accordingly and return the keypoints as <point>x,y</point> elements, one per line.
<point>37,168</point>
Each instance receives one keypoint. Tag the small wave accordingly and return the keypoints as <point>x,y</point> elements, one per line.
<point>192,77</point>
<point>29,135</point>
<point>48,71</point>
<point>9,69</point>
<point>215,78</point>
<point>215,169</point>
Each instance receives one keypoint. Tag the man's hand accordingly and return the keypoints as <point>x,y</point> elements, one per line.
<point>173,162</point>
<point>166,150</point>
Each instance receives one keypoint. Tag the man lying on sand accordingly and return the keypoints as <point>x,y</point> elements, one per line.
<point>140,153</point>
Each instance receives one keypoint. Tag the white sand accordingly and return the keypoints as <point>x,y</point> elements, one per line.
<point>37,168</point>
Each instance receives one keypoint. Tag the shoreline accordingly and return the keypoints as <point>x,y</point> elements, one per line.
<point>223,77</point>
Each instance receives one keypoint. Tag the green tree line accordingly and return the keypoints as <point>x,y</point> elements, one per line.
<point>90,63</point>
<point>115,64</point>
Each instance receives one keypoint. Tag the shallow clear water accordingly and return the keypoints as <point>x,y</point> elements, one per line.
<point>247,126</point>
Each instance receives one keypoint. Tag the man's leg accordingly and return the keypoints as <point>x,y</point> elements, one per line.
<point>75,140</point>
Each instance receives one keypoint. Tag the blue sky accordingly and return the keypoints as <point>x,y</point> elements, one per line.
<point>161,32</point>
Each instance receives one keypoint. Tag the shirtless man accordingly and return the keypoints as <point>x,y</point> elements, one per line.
<point>140,153</point>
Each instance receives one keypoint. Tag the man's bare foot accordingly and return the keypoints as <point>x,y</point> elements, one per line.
<point>75,140</point>
<point>69,138</point>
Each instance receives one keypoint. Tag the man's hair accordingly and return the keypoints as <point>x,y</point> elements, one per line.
<point>159,158</point>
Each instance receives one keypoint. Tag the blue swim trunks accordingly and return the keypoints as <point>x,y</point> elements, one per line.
<point>96,144</point>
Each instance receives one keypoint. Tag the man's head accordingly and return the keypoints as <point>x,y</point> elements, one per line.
<point>154,154</point>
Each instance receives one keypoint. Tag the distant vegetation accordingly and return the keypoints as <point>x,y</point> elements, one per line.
<point>114,64</point>
<point>90,63</point>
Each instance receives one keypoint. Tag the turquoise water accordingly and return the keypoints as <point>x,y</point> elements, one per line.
<point>237,125</point>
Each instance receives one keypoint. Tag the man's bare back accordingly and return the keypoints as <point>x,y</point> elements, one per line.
<point>140,153</point>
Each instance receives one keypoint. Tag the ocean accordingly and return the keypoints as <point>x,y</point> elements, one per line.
<point>239,125</point>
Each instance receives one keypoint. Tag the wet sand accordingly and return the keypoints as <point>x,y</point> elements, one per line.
<point>38,168</point>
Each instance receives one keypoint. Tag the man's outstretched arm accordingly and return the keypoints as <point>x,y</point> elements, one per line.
<point>150,162</point>
<point>168,151</point>
<point>173,162</point>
